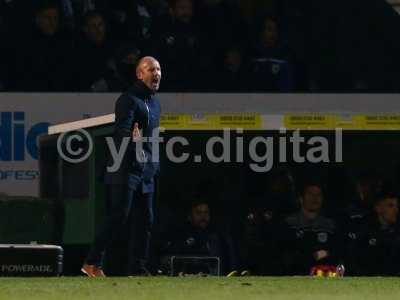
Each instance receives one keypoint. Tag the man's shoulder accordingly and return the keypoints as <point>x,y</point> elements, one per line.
<point>128,97</point>
<point>155,101</point>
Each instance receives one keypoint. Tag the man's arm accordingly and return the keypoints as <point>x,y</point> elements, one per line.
<point>125,125</point>
<point>124,116</point>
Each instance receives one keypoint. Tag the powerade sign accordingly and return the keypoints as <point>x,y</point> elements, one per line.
<point>15,138</point>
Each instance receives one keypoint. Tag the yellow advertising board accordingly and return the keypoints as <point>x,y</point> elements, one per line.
<point>254,121</point>
<point>344,121</point>
<point>211,121</point>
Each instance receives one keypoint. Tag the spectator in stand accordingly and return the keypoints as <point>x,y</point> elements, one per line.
<point>22,12</point>
<point>45,64</point>
<point>230,71</point>
<point>270,59</point>
<point>307,237</point>
<point>376,248</point>
<point>269,41</point>
<point>178,46</point>
<point>123,66</point>
<point>133,20</point>
<point>93,54</point>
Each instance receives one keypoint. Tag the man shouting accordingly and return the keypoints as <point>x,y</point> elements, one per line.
<point>130,181</point>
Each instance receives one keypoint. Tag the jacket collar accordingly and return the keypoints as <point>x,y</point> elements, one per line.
<point>140,90</point>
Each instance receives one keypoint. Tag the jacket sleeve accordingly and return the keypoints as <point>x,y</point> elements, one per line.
<point>125,116</point>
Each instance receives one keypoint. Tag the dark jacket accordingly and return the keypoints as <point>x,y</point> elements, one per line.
<point>136,105</point>
<point>301,238</point>
<point>376,249</point>
<point>190,241</point>
<point>176,42</point>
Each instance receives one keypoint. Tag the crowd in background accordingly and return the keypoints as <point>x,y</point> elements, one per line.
<point>87,46</point>
<point>203,46</point>
<point>291,228</point>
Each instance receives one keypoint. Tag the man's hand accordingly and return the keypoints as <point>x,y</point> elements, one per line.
<point>321,254</point>
<point>136,132</point>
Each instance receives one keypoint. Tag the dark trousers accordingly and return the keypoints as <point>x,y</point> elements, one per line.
<point>125,207</point>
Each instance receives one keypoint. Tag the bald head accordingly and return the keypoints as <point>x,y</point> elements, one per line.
<point>145,61</point>
<point>148,70</point>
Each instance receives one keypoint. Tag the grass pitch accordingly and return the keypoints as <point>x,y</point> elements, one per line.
<point>193,288</point>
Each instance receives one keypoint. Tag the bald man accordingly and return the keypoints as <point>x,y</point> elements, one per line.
<point>130,187</point>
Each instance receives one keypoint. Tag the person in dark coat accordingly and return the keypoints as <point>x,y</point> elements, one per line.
<point>358,212</point>
<point>123,65</point>
<point>270,60</point>
<point>231,72</point>
<point>264,216</point>
<point>308,238</point>
<point>375,248</point>
<point>93,55</point>
<point>179,39</point>
<point>44,65</point>
<point>130,179</point>
<point>198,238</point>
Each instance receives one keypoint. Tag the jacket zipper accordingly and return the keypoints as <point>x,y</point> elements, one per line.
<point>148,113</point>
<point>148,124</point>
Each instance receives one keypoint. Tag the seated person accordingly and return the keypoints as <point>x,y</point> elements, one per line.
<point>358,212</point>
<point>123,66</point>
<point>270,60</point>
<point>178,44</point>
<point>230,74</point>
<point>46,67</point>
<point>309,239</point>
<point>376,248</point>
<point>198,238</point>
<point>93,53</point>
<point>368,185</point>
<point>265,214</point>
